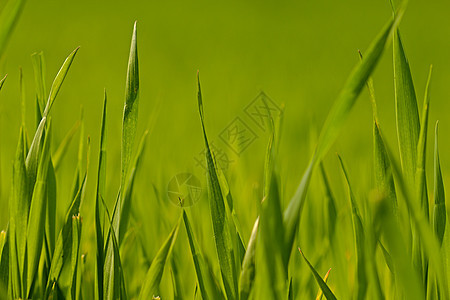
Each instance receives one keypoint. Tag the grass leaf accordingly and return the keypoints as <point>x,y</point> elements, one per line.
<point>8,19</point>
<point>439,212</point>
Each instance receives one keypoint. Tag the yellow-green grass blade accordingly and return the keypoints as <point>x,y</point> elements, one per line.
<point>58,81</point>
<point>322,284</point>
<point>331,206</point>
<point>325,279</point>
<point>208,288</point>
<point>424,232</point>
<point>222,235</point>
<point>62,255</point>
<point>22,97</point>
<point>439,212</point>
<point>420,183</point>
<point>100,194</point>
<point>360,240</point>
<point>8,19</point>
<point>248,272</point>
<point>2,81</point>
<point>36,224</point>
<point>39,68</point>
<point>334,122</point>
<point>32,158</point>
<point>4,261</point>
<point>58,155</point>
<point>150,288</point>
<point>76,238</point>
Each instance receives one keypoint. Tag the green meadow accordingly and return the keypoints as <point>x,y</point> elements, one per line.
<point>224,150</point>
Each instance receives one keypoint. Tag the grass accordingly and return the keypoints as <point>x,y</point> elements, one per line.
<point>388,241</point>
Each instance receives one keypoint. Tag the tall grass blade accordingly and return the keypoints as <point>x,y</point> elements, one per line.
<point>222,235</point>
<point>325,279</point>
<point>439,212</point>
<point>39,80</point>
<point>247,277</point>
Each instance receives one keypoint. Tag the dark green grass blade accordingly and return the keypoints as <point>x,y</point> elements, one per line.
<point>58,81</point>
<point>439,212</point>
<point>2,81</point>
<point>76,238</point>
<point>322,284</point>
<point>325,279</point>
<point>359,235</point>
<point>8,19</point>
<point>334,123</point>
<point>222,235</point>
<point>331,205</point>
<point>100,194</point>
<point>150,288</point>
<point>4,261</point>
<point>36,224</point>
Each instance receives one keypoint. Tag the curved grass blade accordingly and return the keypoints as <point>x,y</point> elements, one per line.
<point>439,212</point>
<point>32,159</point>
<point>358,232</point>
<point>36,224</point>
<point>248,272</point>
<point>222,235</point>
<point>322,284</point>
<point>150,287</point>
<point>58,81</point>
<point>335,121</point>
<point>8,19</point>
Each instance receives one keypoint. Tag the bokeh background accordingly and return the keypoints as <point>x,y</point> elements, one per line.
<point>298,52</point>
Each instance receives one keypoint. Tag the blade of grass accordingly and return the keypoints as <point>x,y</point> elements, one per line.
<point>38,62</point>
<point>150,288</point>
<point>222,235</point>
<point>335,121</point>
<point>358,232</point>
<point>439,212</point>
<point>325,279</point>
<point>322,284</point>
<point>247,277</point>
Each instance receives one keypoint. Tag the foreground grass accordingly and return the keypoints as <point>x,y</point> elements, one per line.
<point>397,239</point>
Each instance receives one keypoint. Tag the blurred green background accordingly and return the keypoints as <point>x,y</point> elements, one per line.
<point>298,52</point>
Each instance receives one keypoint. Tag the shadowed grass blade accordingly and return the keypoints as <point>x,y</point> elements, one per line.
<point>439,213</point>
<point>150,287</point>
<point>222,235</point>
<point>320,293</point>
<point>8,19</point>
<point>322,284</point>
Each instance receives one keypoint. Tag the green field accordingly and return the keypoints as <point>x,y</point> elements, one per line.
<point>229,136</point>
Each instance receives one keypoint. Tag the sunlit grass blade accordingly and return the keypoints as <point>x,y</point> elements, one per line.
<point>2,81</point>
<point>325,279</point>
<point>76,238</point>
<point>4,261</point>
<point>335,120</point>
<point>222,236</point>
<point>358,232</point>
<point>36,224</point>
<point>150,287</point>
<point>64,146</point>
<point>58,81</point>
<point>247,277</point>
<point>439,212</point>
<point>8,19</point>
<point>207,287</point>
<point>32,159</point>
<point>322,284</point>
<point>420,180</point>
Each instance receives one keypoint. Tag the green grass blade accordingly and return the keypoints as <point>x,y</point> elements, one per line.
<point>248,272</point>
<point>219,218</point>
<point>439,212</point>
<point>36,224</point>
<point>4,261</point>
<point>407,114</point>
<point>64,145</point>
<point>22,97</point>
<point>8,19</point>
<point>2,81</point>
<point>322,284</point>
<point>32,159</point>
<point>38,62</point>
<point>150,288</point>
<point>420,183</point>
<point>58,81</point>
<point>358,232</point>
<point>334,123</point>
<point>331,205</point>
<point>101,183</point>
<point>325,279</point>
<point>207,287</point>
